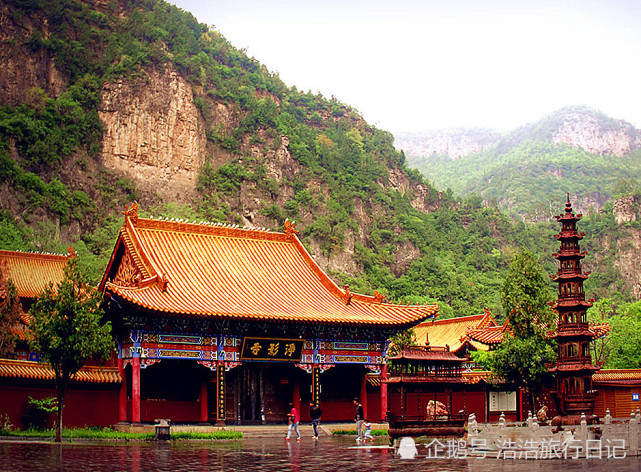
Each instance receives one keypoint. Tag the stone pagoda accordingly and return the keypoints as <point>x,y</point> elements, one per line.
<point>574,367</point>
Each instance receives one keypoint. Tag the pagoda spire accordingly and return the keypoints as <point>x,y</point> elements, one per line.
<point>574,366</point>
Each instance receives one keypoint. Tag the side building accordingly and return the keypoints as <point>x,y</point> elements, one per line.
<point>221,324</point>
<point>22,376</point>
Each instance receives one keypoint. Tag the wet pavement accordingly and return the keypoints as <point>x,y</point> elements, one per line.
<point>328,453</point>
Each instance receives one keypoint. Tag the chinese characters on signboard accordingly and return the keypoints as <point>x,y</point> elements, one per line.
<point>502,401</point>
<point>271,349</point>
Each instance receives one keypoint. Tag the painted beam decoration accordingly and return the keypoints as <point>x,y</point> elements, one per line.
<point>271,349</point>
<point>214,350</point>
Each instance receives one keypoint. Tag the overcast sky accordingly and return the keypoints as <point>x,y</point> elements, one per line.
<point>410,65</point>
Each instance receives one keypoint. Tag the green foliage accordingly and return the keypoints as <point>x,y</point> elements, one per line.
<point>523,355</point>
<point>39,412</point>
<point>68,329</point>
<point>109,433</point>
<point>400,341</point>
<point>214,436</point>
<point>226,179</point>
<point>600,348</point>
<point>530,176</point>
<point>621,348</point>
<point>6,426</point>
<point>47,130</point>
<point>525,295</point>
<point>521,361</point>
<point>10,311</point>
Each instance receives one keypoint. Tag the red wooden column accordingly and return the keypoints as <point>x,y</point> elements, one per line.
<point>383,392</point>
<point>364,393</point>
<point>204,402</point>
<point>135,390</point>
<point>122,399</point>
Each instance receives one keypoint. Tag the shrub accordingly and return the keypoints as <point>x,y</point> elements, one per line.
<point>39,412</point>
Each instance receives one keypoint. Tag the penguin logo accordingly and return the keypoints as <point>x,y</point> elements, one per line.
<point>407,448</point>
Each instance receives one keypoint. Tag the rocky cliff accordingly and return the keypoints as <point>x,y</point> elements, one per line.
<point>22,67</point>
<point>593,134</point>
<point>154,133</point>
<point>452,143</point>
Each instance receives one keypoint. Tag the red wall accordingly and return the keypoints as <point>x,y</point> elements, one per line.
<point>337,410</point>
<point>176,411</point>
<point>374,405</point>
<point>82,407</point>
<point>475,403</point>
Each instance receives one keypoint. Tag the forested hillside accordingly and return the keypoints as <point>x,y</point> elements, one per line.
<point>103,103</point>
<point>528,171</point>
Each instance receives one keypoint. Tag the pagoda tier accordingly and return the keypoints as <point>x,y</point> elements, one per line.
<point>574,367</point>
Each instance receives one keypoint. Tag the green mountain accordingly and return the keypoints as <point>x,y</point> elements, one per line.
<point>103,103</point>
<point>528,171</point>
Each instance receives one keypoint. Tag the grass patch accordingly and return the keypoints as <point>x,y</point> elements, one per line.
<point>79,433</point>
<point>352,432</point>
<point>217,435</point>
<point>108,433</point>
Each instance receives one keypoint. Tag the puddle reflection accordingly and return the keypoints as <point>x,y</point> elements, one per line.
<point>260,454</point>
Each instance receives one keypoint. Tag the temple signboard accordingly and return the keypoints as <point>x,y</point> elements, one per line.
<point>271,349</point>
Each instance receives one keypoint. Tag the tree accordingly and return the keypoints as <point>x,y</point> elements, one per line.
<point>601,312</point>
<point>625,338</point>
<point>10,311</point>
<point>68,329</point>
<point>400,341</point>
<point>525,351</point>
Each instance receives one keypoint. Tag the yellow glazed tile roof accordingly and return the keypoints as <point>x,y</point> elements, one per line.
<point>35,370</point>
<point>204,269</point>
<point>618,375</point>
<point>488,335</point>
<point>475,376</point>
<point>451,332</point>
<point>492,335</point>
<point>32,272</point>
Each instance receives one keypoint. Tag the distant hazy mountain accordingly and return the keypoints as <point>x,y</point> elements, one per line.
<point>577,126</point>
<point>529,170</point>
<point>452,143</point>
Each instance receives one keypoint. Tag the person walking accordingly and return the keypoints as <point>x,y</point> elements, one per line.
<point>358,417</point>
<point>294,419</point>
<point>368,430</point>
<point>315,414</point>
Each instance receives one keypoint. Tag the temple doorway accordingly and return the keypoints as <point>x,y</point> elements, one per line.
<point>260,392</point>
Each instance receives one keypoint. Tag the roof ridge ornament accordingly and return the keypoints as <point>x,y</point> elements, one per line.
<point>290,227</point>
<point>348,295</point>
<point>71,253</point>
<point>131,213</point>
<point>378,297</point>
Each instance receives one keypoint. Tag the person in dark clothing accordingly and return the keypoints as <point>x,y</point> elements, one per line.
<point>358,417</point>
<point>315,414</point>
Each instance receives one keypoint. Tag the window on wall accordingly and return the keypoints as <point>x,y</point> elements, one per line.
<point>502,401</point>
